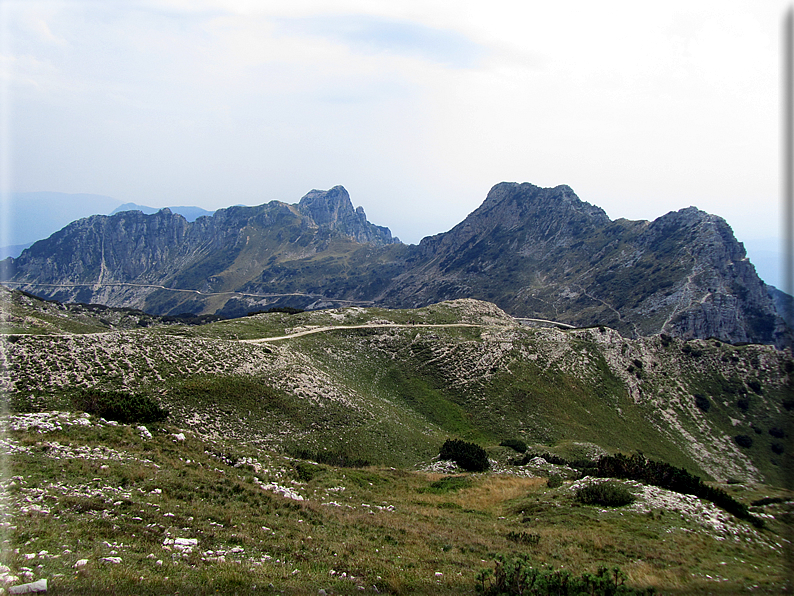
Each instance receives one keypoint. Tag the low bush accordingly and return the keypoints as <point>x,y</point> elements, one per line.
<point>637,467</point>
<point>126,408</point>
<point>307,471</point>
<point>516,444</point>
<point>519,576</point>
<point>608,494</point>
<point>702,402</point>
<point>469,456</point>
<point>578,464</point>
<point>528,538</point>
<point>554,481</point>
<point>743,441</point>
<point>769,501</point>
<point>285,309</point>
<point>338,459</point>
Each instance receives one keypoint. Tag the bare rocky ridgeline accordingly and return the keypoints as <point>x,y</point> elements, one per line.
<point>470,359</point>
<point>535,252</point>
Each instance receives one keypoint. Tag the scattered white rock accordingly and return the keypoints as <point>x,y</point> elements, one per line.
<point>114,560</point>
<point>283,491</point>
<point>179,436</point>
<point>184,545</point>
<point>37,586</point>
<point>145,433</point>
<point>80,563</point>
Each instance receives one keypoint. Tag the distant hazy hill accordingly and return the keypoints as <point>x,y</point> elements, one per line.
<point>36,215</point>
<point>535,252</point>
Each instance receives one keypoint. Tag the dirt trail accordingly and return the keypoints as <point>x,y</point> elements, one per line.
<point>364,326</point>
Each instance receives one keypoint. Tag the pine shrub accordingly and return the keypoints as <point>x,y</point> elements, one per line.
<point>119,406</point>
<point>515,444</point>
<point>554,481</point>
<point>469,456</point>
<point>637,467</point>
<point>743,441</point>
<point>608,494</point>
<point>702,402</point>
<point>519,576</point>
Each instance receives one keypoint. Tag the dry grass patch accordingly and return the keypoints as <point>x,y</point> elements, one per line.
<point>493,491</point>
<point>643,574</point>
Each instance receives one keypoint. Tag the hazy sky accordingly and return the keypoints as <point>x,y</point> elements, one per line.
<point>416,107</point>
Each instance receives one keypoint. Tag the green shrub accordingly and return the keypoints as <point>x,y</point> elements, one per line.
<point>285,309</point>
<point>768,501</point>
<point>527,538</point>
<point>743,441</point>
<point>702,402</point>
<point>554,481</point>
<point>307,471</point>
<point>339,459</point>
<point>637,467</point>
<point>126,408</point>
<point>608,494</point>
<point>516,444</point>
<point>518,576</point>
<point>469,456</point>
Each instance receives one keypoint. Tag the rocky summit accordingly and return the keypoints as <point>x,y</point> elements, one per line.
<point>535,252</point>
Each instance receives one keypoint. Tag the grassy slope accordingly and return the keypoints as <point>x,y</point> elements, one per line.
<point>387,395</point>
<point>390,395</point>
<point>402,532</point>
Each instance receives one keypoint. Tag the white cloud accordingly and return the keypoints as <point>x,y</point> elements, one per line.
<point>416,107</point>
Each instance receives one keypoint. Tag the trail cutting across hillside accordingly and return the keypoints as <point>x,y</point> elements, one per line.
<point>363,326</point>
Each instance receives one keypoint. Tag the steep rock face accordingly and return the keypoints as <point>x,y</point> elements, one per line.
<point>721,294</point>
<point>544,253</point>
<point>333,210</point>
<point>87,254</point>
<point>120,260</point>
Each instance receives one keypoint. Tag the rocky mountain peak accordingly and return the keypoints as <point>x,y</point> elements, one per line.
<point>528,198</point>
<point>327,207</point>
<point>333,210</point>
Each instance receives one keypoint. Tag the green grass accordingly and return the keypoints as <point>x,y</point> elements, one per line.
<point>392,528</point>
<point>391,397</point>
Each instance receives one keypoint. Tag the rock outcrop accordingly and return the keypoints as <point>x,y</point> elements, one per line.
<point>333,210</point>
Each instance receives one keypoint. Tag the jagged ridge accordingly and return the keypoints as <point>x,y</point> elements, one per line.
<point>536,252</point>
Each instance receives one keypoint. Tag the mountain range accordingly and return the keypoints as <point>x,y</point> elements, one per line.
<point>37,215</point>
<point>535,252</point>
